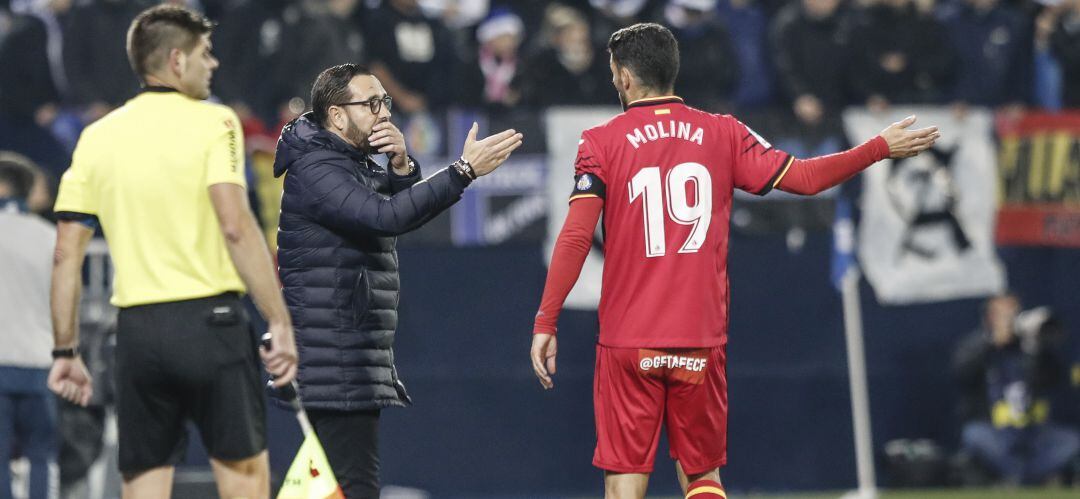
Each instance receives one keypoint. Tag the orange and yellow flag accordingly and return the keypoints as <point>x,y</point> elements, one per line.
<point>310,476</point>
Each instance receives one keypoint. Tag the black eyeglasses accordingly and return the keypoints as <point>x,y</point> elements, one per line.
<point>375,104</point>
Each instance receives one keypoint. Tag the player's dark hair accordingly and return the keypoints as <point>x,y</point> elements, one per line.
<point>18,173</point>
<point>650,52</point>
<point>158,30</point>
<point>331,88</point>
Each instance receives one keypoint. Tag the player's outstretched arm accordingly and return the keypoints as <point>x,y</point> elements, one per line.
<point>571,248</point>
<point>811,176</point>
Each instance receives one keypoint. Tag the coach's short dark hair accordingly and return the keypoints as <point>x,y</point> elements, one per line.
<point>331,88</point>
<point>18,173</point>
<point>648,50</point>
<point>158,30</point>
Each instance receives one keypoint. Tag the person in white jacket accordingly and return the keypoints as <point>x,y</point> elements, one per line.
<point>27,409</point>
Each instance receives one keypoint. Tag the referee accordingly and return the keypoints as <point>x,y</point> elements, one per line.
<point>164,177</point>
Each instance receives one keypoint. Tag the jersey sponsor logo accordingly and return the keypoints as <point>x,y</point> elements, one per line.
<point>584,183</point>
<point>666,130</point>
<point>687,365</point>
<point>673,362</point>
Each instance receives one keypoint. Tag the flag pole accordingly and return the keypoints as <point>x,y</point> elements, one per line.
<point>860,399</point>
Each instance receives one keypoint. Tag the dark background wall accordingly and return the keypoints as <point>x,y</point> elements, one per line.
<point>482,425</point>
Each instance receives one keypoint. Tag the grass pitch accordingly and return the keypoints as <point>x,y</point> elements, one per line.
<point>1025,493</point>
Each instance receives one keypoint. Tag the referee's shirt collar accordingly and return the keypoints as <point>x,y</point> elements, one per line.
<point>159,89</point>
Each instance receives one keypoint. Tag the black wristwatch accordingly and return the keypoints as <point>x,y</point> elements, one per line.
<point>464,168</point>
<point>65,353</point>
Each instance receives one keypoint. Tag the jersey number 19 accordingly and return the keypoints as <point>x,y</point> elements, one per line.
<point>647,185</point>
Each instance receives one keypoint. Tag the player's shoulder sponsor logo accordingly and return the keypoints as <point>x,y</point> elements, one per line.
<point>584,182</point>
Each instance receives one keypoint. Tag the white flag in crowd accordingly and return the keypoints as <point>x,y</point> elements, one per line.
<point>564,126</point>
<point>926,232</point>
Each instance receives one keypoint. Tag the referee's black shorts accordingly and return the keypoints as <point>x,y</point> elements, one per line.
<point>187,360</point>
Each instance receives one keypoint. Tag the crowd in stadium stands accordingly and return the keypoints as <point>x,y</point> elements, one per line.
<point>64,62</point>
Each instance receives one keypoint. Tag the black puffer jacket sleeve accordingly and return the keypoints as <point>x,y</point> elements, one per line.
<point>399,183</point>
<point>335,198</point>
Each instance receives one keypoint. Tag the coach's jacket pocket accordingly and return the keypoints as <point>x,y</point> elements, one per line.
<point>361,298</point>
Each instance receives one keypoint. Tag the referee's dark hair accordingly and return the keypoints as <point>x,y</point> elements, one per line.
<point>18,173</point>
<point>158,30</point>
<point>650,52</point>
<point>331,88</point>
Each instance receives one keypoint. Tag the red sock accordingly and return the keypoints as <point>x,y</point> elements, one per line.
<point>705,489</point>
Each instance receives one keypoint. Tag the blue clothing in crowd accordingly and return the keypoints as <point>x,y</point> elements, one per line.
<point>993,48</point>
<point>749,29</point>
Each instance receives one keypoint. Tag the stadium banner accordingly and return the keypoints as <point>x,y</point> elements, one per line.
<point>563,127</point>
<point>1039,180</point>
<point>506,207</point>
<point>926,232</point>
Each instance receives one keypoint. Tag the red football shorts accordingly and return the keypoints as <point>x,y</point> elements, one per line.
<point>636,391</point>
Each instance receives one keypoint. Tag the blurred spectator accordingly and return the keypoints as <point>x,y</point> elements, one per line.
<point>810,44</point>
<point>27,409</point>
<point>30,85</point>
<point>569,70</point>
<point>749,25</point>
<point>5,19</point>
<point>491,80</point>
<point>1045,67</point>
<point>95,61</point>
<point>456,14</point>
<point>993,45</point>
<point>1065,45</point>
<point>326,34</point>
<point>411,55</point>
<point>903,56</point>
<point>1006,370</point>
<point>708,68</point>
<point>610,15</point>
<point>249,42</point>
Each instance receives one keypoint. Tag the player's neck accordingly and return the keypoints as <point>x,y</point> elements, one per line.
<point>636,94</point>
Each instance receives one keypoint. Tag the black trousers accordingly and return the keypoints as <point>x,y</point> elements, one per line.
<point>351,442</point>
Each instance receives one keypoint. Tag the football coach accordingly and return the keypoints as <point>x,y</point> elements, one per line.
<point>340,215</point>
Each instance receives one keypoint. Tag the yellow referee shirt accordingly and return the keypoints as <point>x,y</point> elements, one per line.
<point>144,170</point>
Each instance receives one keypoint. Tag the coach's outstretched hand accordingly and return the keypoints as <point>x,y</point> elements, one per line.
<point>486,155</point>
<point>543,351</point>
<point>904,143</point>
<point>69,379</point>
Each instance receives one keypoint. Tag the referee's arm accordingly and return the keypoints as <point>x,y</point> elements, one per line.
<point>252,259</point>
<point>69,377</point>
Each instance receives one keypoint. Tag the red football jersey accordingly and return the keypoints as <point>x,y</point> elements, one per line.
<point>667,172</point>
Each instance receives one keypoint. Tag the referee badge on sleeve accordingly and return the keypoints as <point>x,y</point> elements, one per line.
<point>587,185</point>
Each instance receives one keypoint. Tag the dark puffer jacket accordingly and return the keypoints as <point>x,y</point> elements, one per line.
<point>340,215</point>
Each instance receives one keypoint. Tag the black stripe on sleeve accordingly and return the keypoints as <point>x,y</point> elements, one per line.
<point>776,176</point>
<point>588,185</point>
